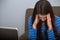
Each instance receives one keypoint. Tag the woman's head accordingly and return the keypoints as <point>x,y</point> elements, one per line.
<point>43,8</point>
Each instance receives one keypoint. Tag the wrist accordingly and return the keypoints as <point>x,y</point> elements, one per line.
<point>50,28</point>
<point>35,23</point>
<point>34,26</point>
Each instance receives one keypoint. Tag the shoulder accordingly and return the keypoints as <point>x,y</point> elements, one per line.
<point>57,20</point>
<point>29,18</point>
<point>57,17</point>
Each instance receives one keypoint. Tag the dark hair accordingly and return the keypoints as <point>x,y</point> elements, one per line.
<point>43,7</point>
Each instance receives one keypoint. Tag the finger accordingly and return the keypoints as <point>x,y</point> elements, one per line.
<point>37,16</point>
<point>48,17</point>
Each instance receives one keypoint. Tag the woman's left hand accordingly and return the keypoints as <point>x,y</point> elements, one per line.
<point>49,22</point>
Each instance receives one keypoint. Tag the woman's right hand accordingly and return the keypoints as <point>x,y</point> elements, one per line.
<point>36,21</point>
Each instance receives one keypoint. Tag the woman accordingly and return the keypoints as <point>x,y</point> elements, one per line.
<point>43,24</point>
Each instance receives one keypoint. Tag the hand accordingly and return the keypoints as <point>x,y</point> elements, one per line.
<point>36,21</point>
<point>49,23</point>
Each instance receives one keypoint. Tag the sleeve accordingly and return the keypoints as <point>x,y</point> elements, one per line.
<point>58,24</point>
<point>51,35</point>
<point>31,30</point>
<point>30,22</point>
